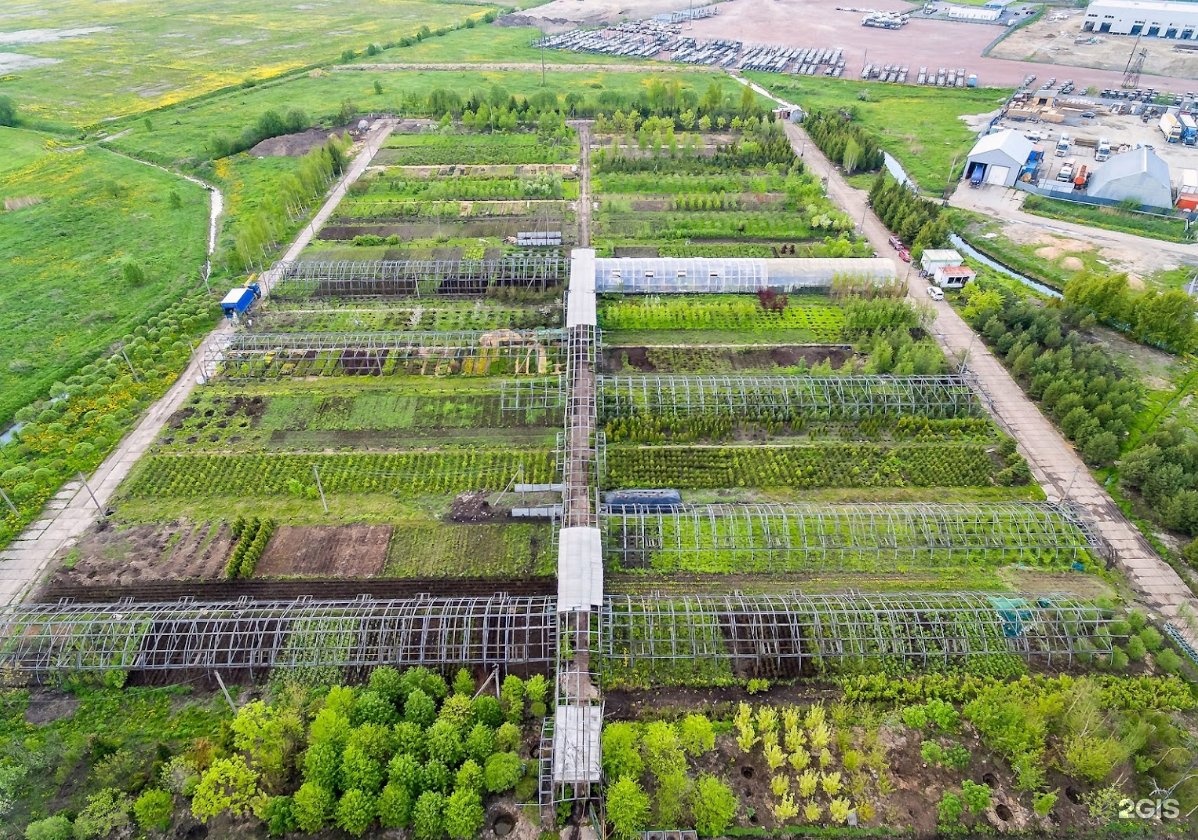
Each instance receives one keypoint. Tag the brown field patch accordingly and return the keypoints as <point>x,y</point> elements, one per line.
<point>127,555</point>
<point>330,551</point>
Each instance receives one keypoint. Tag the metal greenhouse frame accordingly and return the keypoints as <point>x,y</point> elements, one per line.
<point>248,355</point>
<point>948,395</point>
<point>356,278</point>
<point>860,536</point>
<point>39,641</point>
<point>792,634</point>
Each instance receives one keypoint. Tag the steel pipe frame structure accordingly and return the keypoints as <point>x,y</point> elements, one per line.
<point>798,537</point>
<point>579,457</point>
<point>358,278</point>
<point>39,641</point>
<point>790,633</point>
<point>948,395</point>
<point>269,354</point>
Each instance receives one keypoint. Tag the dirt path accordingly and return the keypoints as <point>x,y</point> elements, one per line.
<point>1052,458</point>
<point>1138,254</point>
<point>584,183</point>
<point>76,507</point>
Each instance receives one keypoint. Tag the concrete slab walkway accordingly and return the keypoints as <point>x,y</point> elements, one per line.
<point>76,506</point>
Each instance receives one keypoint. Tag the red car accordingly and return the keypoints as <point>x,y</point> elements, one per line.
<point>904,255</point>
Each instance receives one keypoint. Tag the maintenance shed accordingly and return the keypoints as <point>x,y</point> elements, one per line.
<point>999,158</point>
<point>1138,175</point>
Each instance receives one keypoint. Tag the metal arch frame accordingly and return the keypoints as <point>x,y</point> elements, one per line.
<point>579,453</point>
<point>360,278</point>
<point>948,395</point>
<point>39,641</point>
<point>251,355</point>
<point>785,633</point>
<point>797,537</point>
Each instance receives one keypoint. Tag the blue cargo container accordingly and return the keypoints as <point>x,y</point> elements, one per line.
<point>238,301</point>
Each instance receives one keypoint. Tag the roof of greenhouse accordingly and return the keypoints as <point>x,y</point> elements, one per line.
<point>696,274</point>
<point>576,753</point>
<point>580,299</point>
<point>579,569</point>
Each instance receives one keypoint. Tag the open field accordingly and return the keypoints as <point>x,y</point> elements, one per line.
<point>134,57</point>
<point>1109,218</point>
<point>65,295</point>
<point>1049,41</point>
<point>922,127</point>
<point>404,92</point>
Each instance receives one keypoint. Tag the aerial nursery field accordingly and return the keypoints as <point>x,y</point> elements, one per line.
<point>95,62</point>
<point>740,192</point>
<point>91,244</point>
<point>517,182</point>
<point>921,127</point>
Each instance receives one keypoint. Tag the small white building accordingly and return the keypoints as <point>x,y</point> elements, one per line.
<point>934,258</point>
<point>1138,175</point>
<point>953,276</point>
<point>1149,18</point>
<point>999,158</point>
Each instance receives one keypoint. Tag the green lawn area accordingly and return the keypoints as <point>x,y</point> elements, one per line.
<point>919,126</point>
<point>63,294</point>
<point>499,43</point>
<point>21,148</point>
<point>185,131</point>
<point>1108,218</point>
<point>116,59</point>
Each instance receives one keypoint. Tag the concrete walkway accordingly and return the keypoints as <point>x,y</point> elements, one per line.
<point>74,509</point>
<point>1052,458</point>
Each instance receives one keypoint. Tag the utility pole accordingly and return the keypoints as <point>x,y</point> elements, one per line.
<point>319,488</point>
<point>136,378</point>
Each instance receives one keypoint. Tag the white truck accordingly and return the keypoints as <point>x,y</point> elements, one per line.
<point>1170,127</point>
<point>1063,145</point>
<point>1103,150</point>
<point>1066,173</point>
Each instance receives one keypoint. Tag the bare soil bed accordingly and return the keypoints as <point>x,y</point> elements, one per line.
<point>617,359</point>
<point>328,551</point>
<point>295,145</point>
<point>166,551</point>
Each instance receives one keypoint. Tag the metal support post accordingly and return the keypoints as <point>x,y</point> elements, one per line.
<point>95,501</point>
<point>319,488</point>
<point>225,691</point>
<point>8,502</point>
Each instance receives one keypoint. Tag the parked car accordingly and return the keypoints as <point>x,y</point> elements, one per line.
<point>935,293</point>
<point>904,255</point>
<point>895,243</point>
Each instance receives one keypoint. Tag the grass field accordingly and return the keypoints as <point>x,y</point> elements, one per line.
<point>921,127</point>
<point>64,296</point>
<point>500,43</point>
<point>116,59</point>
<point>21,148</point>
<point>187,130</point>
<point>1108,218</point>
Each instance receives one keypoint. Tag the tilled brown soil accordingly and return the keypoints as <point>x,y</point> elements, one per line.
<point>167,551</point>
<point>328,551</point>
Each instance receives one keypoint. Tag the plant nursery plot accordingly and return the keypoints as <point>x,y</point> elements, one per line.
<point>635,319</point>
<point>817,464</point>
<point>474,149</point>
<point>400,474</point>
<point>724,539</point>
<point>489,549</point>
<point>398,185</point>
<point>436,316</point>
<point>773,359</point>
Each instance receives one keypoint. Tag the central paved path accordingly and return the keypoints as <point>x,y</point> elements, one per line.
<point>75,509</point>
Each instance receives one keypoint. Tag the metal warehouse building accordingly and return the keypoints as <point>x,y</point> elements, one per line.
<point>999,158</point>
<point>1138,174</point>
<point>1150,18</point>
